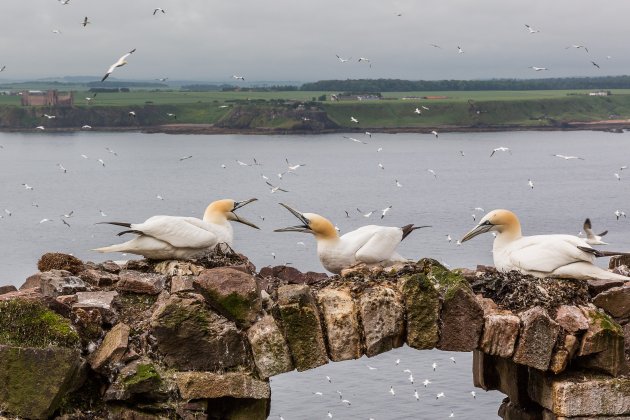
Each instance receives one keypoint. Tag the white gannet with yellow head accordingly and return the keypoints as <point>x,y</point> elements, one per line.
<point>174,237</point>
<point>560,256</point>
<point>369,244</point>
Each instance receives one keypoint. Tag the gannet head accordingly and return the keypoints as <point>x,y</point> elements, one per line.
<point>221,210</point>
<point>312,223</point>
<point>502,221</point>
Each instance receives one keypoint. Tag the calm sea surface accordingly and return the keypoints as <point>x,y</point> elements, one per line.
<point>340,175</point>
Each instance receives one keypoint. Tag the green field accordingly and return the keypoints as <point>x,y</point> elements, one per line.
<point>280,110</point>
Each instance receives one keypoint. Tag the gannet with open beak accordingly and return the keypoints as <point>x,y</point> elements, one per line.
<point>560,256</point>
<point>174,237</point>
<point>369,244</point>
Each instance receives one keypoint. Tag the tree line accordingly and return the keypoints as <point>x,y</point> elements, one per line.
<point>398,85</point>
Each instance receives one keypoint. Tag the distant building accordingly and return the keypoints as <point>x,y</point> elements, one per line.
<point>600,93</point>
<point>48,98</point>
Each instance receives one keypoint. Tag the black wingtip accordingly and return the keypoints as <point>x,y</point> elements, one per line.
<point>123,224</point>
<point>600,254</point>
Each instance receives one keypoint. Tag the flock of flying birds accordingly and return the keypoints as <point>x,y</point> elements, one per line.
<point>405,383</point>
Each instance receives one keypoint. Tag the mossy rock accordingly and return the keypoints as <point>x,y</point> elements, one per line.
<point>30,324</point>
<point>422,303</point>
<point>145,379</point>
<point>447,282</point>
<point>59,261</point>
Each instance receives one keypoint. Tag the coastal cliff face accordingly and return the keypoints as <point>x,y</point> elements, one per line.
<point>200,339</point>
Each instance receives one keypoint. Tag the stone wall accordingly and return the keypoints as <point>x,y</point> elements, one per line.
<point>200,339</point>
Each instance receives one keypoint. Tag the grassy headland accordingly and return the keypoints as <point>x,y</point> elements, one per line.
<point>305,111</point>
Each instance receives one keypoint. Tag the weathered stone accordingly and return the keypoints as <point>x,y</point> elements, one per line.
<point>422,304</point>
<point>67,300</point>
<point>603,343</point>
<point>31,281</point>
<point>206,385</point>
<point>140,377</point>
<point>135,282</point>
<point>34,380</point>
<point>462,321</point>
<point>341,321</point>
<point>498,373</point>
<point>110,267</point>
<point>486,304</point>
<point>537,338</point>
<point>238,409</point>
<point>182,284</point>
<point>112,349</point>
<point>383,318</point>
<point>58,261</point>
<point>98,278</point>
<point>484,373</point>
<point>559,361</point>
<point>271,351</point>
<point>177,268</point>
<point>618,260</point>
<point>58,282</point>
<point>24,294</point>
<point>596,287</point>
<point>300,320</point>
<point>511,411</point>
<point>192,337</point>
<point>576,395</point>
<point>230,292</point>
<point>571,319</point>
<point>7,289</point>
<point>126,413</point>
<point>571,344</point>
<point>103,302</point>
<point>615,301</point>
<point>500,332</point>
<point>292,275</point>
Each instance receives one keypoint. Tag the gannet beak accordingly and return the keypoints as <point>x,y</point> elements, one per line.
<point>478,230</point>
<point>234,217</point>
<point>304,227</point>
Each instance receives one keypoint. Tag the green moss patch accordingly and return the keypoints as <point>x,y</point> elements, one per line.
<point>30,324</point>
<point>145,379</point>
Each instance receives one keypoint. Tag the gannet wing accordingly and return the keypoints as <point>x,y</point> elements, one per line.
<point>546,253</point>
<point>380,245</point>
<point>180,232</point>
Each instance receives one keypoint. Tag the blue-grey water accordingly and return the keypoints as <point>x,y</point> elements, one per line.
<point>339,176</point>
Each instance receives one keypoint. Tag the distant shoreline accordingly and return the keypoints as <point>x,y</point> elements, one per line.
<point>209,129</point>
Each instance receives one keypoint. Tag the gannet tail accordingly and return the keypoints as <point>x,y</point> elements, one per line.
<point>113,248</point>
<point>598,253</point>
<point>407,229</point>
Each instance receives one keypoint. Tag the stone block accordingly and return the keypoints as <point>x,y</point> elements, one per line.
<point>112,349</point>
<point>579,394</point>
<point>33,381</point>
<point>270,349</point>
<point>103,302</point>
<point>7,289</point>
<point>190,336</point>
<point>615,301</point>
<point>341,321</point>
<point>302,329</point>
<point>58,282</point>
<point>500,332</point>
<point>230,292</point>
<point>383,318</point>
<point>618,260</point>
<point>538,336</point>
<point>596,287</point>
<point>182,284</point>
<point>422,305</point>
<point>178,268</point>
<point>142,283</point>
<point>207,385</point>
<point>510,411</point>
<point>602,344</point>
<point>571,319</point>
<point>98,278</point>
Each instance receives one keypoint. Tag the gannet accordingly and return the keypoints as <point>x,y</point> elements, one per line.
<point>121,62</point>
<point>174,237</point>
<point>591,238</point>
<point>369,244</point>
<point>541,255</point>
<point>531,30</point>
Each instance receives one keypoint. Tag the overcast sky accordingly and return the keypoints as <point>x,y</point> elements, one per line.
<point>298,40</point>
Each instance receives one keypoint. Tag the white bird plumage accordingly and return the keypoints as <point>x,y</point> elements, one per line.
<point>592,238</point>
<point>374,245</point>
<point>121,62</point>
<point>174,237</point>
<point>559,256</point>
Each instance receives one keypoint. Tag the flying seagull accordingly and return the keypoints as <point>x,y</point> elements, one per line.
<point>85,22</point>
<point>238,77</point>
<point>595,64</point>
<point>121,62</point>
<point>538,68</point>
<point>158,9</point>
<point>531,30</point>
<point>577,47</point>
<point>343,60</point>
